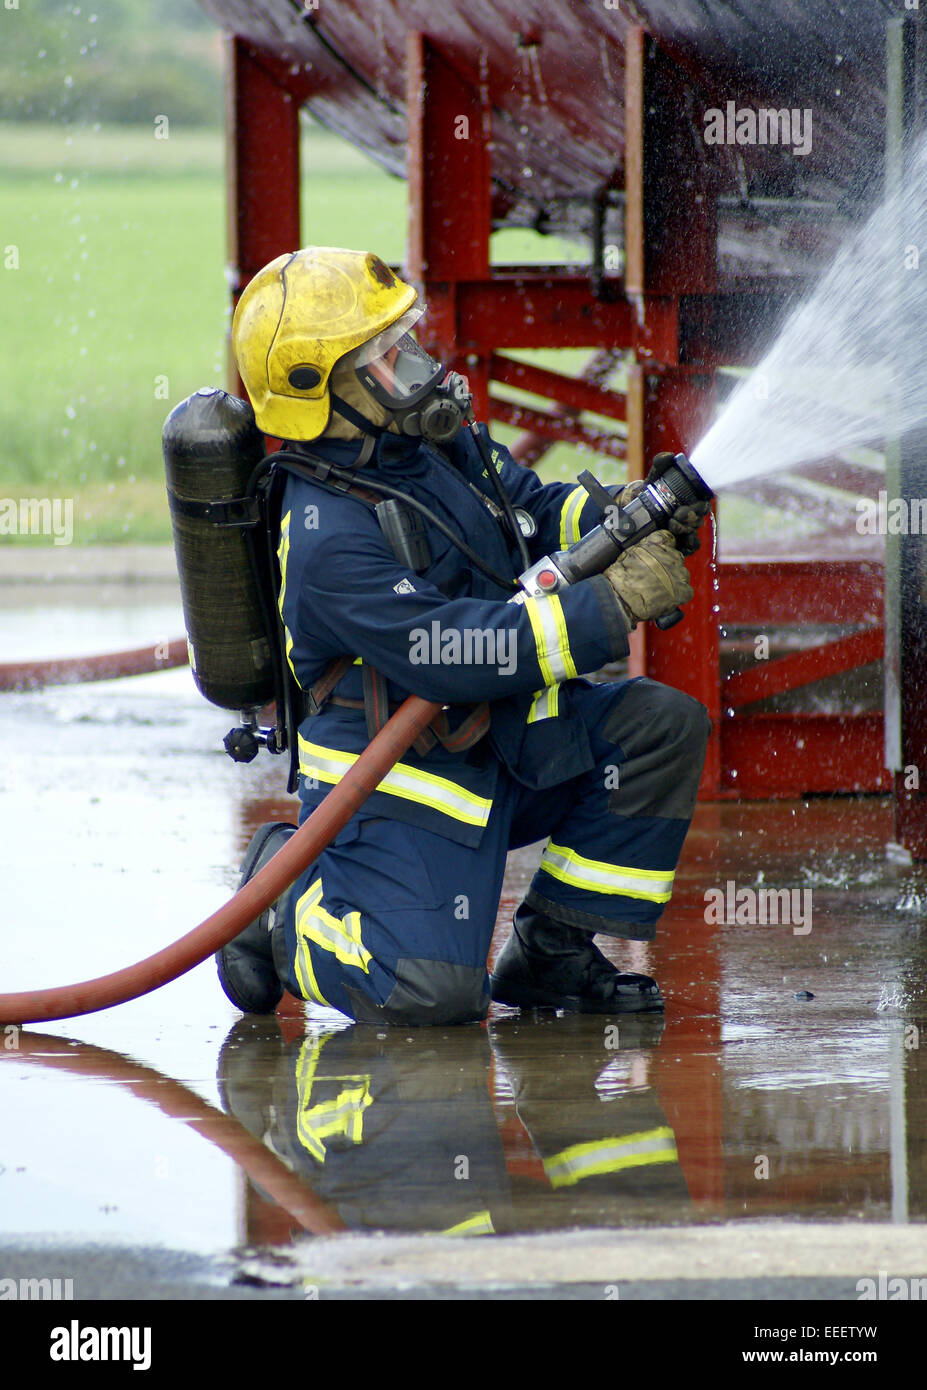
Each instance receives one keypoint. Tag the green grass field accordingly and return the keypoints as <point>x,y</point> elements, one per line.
<point>118,306</point>
<point>114,303</point>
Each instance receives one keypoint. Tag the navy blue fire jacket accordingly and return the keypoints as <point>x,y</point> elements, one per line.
<point>448,634</point>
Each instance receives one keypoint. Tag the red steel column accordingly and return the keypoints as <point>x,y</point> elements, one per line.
<point>905,470</point>
<point>669,251</point>
<point>449,201</point>
<point>262,178</point>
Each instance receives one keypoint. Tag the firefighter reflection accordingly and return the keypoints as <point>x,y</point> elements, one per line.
<point>398,1131</point>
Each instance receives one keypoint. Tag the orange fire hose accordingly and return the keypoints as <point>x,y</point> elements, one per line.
<point>178,1102</point>
<point>70,670</point>
<point>301,850</point>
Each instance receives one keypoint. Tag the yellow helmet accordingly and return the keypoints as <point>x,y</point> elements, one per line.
<point>297,318</point>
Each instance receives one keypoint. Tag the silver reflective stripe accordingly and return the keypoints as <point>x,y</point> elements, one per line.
<point>410,783</point>
<point>550,637</point>
<point>545,705</point>
<point>596,876</point>
<point>611,1156</point>
<point>570,514</point>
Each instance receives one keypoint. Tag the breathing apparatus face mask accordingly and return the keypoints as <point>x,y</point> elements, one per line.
<point>401,376</point>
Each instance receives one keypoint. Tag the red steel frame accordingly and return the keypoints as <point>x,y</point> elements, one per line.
<point>678,325</point>
<point>668,312</point>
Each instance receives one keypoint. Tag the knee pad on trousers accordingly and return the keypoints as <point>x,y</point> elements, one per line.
<point>427,992</point>
<point>662,734</point>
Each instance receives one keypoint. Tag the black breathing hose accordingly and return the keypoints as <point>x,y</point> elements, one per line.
<point>301,464</point>
<point>503,496</point>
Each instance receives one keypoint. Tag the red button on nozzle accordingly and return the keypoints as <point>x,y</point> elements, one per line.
<point>546,579</point>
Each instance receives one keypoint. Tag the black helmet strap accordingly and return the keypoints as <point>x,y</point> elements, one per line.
<point>355,418</point>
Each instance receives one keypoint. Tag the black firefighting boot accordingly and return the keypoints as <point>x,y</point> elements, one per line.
<point>548,965</point>
<point>252,968</point>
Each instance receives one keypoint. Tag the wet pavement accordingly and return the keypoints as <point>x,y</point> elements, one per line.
<point>769,1138</point>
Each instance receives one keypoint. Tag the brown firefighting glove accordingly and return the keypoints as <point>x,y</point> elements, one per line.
<point>650,578</point>
<point>627,492</point>
<point>686,520</point>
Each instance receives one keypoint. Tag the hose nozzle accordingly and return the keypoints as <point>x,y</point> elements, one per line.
<point>671,484</point>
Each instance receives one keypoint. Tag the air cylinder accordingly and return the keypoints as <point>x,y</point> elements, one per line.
<point>211,446</point>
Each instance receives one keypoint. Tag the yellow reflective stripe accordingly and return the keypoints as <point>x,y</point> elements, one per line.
<point>343,1115</point>
<point>548,624</point>
<point>409,783</point>
<point>600,1156</point>
<point>595,876</point>
<point>283,554</point>
<point>340,936</point>
<point>570,514</point>
<point>480,1224</point>
<point>305,975</point>
<point>545,705</point>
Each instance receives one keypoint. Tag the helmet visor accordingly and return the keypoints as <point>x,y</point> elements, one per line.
<point>376,347</point>
<point>394,368</point>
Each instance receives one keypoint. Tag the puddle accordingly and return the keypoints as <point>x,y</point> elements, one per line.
<point>173,1123</point>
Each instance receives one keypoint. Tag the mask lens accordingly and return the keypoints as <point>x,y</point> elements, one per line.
<point>402,375</point>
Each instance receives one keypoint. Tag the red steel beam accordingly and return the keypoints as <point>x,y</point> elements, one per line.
<point>906,460</point>
<point>567,390</point>
<point>788,755</point>
<point>536,307</point>
<point>448,233</point>
<point>263,160</point>
<point>530,448</point>
<point>670,251</point>
<point>529,309</point>
<point>801,592</point>
<point>667,412</point>
<point>847,476</point>
<point>556,427</point>
<point>801,668</point>
<point>448,169</point>
<point>670,229</point>
<point>262,169</point>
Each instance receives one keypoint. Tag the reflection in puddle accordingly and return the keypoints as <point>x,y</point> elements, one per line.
<point>398,1131</point>
<point>531,1124</point>
<point>756,1101</point>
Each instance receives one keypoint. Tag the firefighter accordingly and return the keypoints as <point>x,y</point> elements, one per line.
<point>394,922</point>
